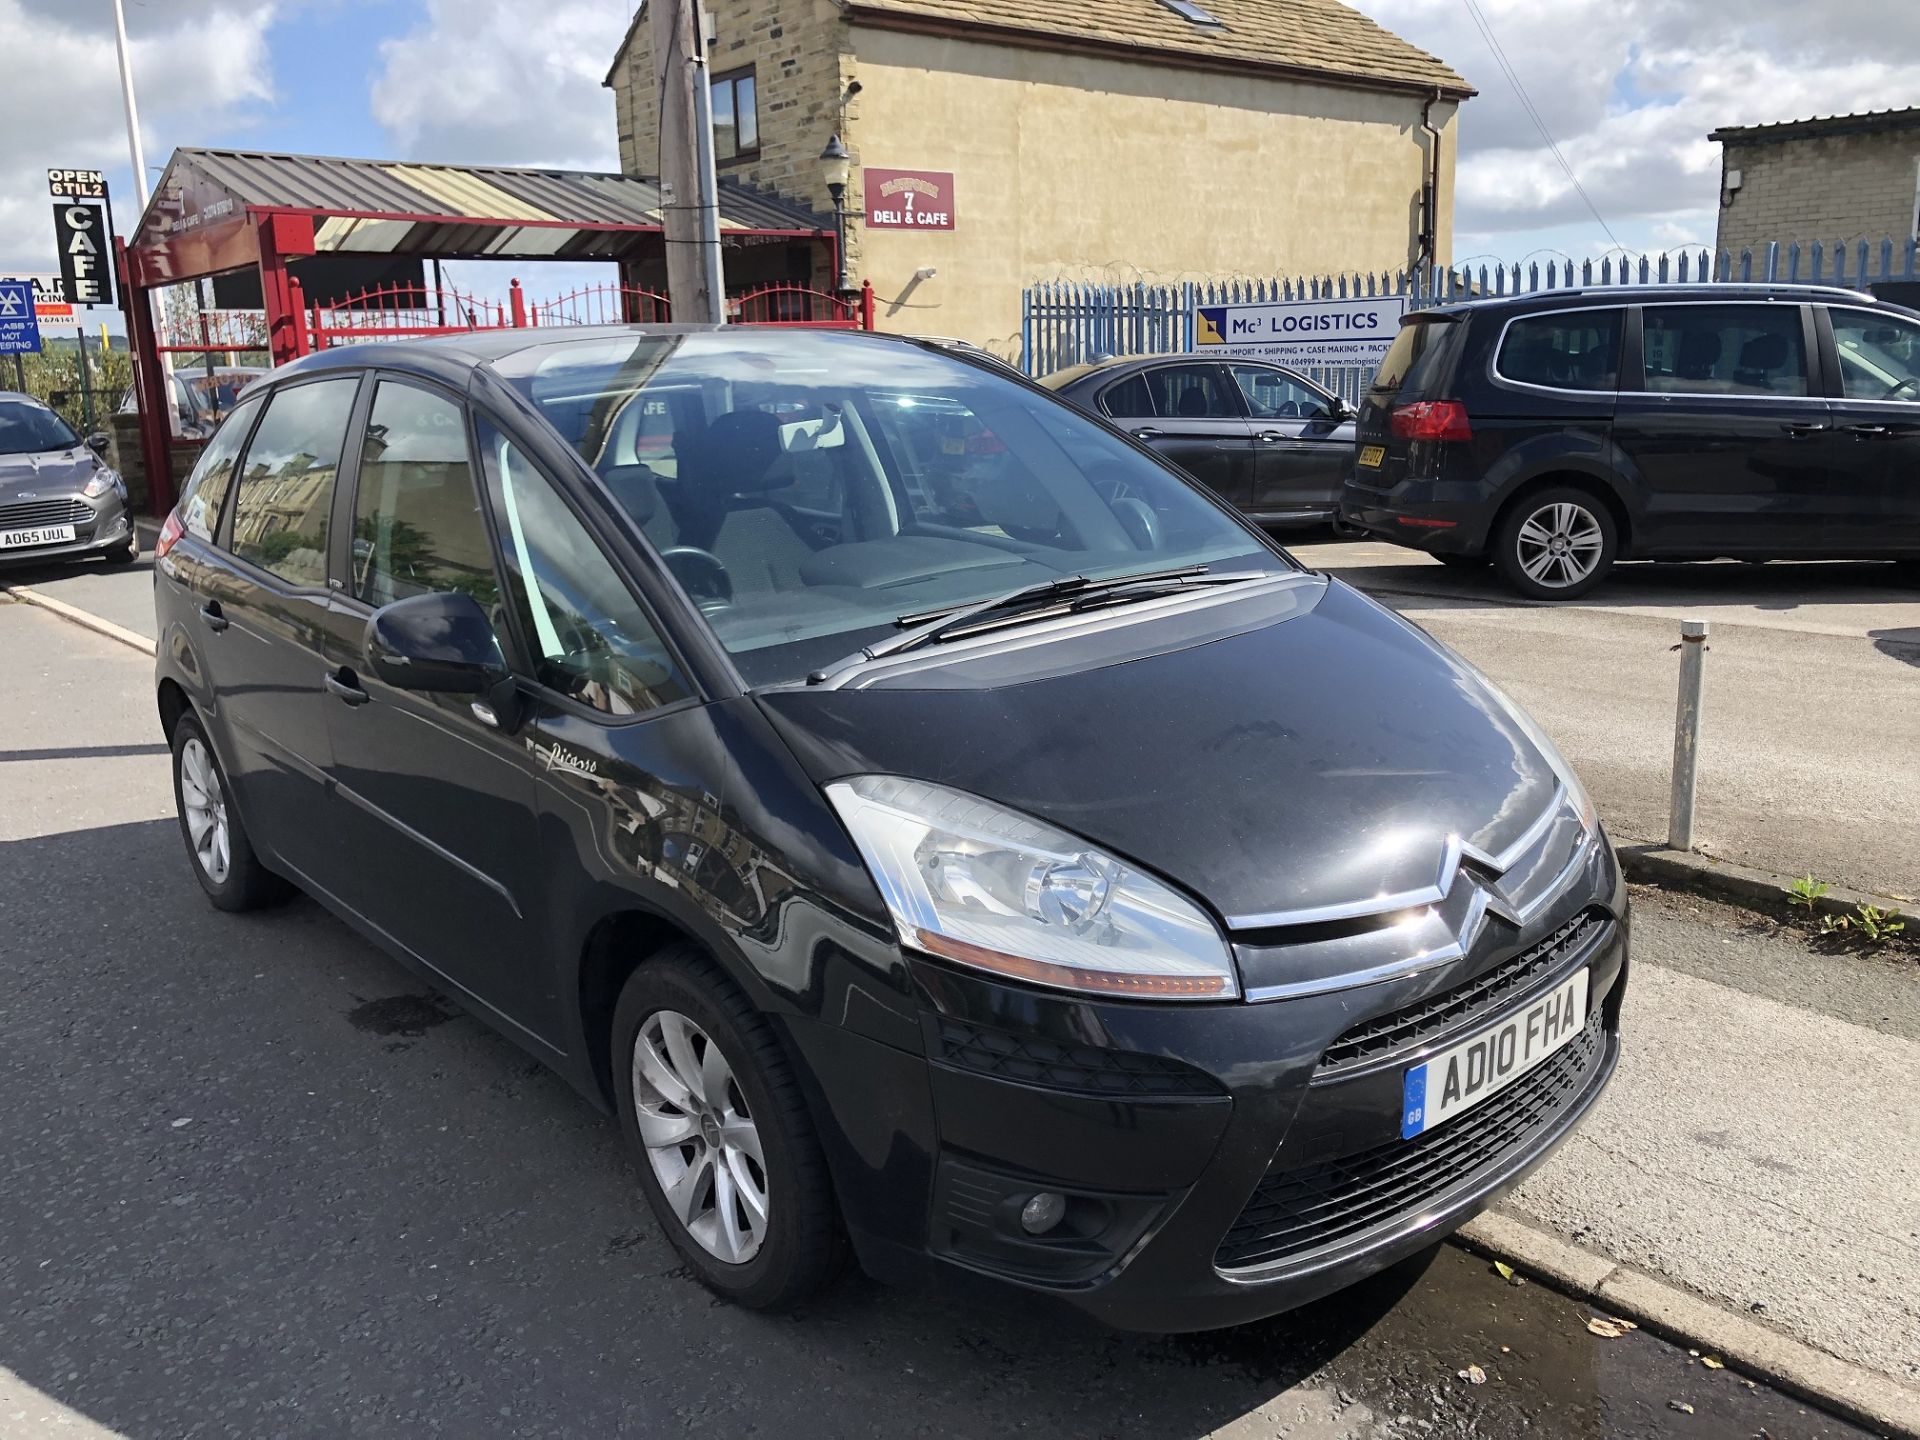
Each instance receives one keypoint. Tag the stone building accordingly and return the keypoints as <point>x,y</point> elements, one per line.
<point>996,143</point>
<point>1842,178</point>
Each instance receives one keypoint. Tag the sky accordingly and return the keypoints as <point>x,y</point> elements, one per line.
<point>1629,90</point>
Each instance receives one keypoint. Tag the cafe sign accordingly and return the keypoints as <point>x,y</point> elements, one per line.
<point>908,199</point>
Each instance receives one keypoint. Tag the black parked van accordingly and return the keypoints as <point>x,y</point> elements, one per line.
<point>927,819</point>
<point>1557,432</point>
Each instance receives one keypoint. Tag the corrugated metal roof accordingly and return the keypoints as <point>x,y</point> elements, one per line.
<point>1866,122</point>
<point>456,196</point>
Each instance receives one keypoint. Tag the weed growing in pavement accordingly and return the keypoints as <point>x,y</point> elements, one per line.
<point>1806,892</point>
<point>1873,925</point>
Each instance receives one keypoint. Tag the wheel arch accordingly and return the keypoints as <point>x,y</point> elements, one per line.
<point>1602,488</point>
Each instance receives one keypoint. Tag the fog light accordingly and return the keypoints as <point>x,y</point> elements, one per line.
<point>1043,1212</point>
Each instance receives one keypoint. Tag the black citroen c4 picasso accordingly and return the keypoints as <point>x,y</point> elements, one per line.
<point>928,821</point>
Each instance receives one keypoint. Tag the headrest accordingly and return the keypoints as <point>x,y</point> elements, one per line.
<point>738,454</point>
<point>1192,402</point>
<point>1764,352</point>
<point>1699,351</point>
<point>633,486</point>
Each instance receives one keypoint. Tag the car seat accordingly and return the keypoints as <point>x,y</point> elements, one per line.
<point>726,475</point>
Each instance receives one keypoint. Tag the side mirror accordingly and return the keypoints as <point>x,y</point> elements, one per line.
<point>443,643</point>
<point>99,442</point>
<point>1338,409</point>
<point>58,398</point>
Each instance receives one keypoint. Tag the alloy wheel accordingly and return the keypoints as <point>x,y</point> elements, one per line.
<point>700,1136</point>
<point>205,802</point>
<point>1559,544</point>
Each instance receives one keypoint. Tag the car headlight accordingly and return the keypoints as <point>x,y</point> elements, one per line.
<point>100,482</point>
<point>981,885</point>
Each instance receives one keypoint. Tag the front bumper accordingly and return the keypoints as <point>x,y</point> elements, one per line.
<point>108,524</point>
<point>1217,1168</point>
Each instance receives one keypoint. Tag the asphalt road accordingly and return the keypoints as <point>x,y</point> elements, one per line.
<point>260,1181</point>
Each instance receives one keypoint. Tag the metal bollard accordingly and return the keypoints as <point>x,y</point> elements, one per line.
<point>1686,734</point>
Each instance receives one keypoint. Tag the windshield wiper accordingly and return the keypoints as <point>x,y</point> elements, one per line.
<point>1074,592</point>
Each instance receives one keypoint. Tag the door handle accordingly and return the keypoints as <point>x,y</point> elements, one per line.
<point>345,687</point>
<point>1273,437</point>
<point>1867,432</point>
<point>210,612</point>
<point>1800,428</point>
<point>1147,432</point>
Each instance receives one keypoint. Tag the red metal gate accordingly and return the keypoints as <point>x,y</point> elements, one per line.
<point>405,312</point>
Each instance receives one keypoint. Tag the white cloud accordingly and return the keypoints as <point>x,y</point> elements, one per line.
<point>483,81</point>
<point>1630,90</point>
<point>61,107</point>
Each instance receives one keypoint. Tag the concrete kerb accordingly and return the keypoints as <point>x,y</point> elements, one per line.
<point>86,619</point>
<point>1745,886</point>
<point>1745,1344</point>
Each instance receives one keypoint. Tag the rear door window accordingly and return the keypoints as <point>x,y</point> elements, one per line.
<point>1193,392</point>
<point>1577,350</point>
<point>286,484</point>
<point>1725,350</point>
<point>206,490</point>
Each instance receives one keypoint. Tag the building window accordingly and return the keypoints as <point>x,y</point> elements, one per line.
<point>1187,10</point>
<point>736,116</point>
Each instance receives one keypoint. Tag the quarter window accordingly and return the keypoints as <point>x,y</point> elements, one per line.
<point>589,638</point>
<point>1128,398</point>
<point>1274,395</point>
<point>1725,350</point>
<point>206,490</point>
<point>286,485</point>
<point>1578,351</point>
<point>1193,392</point>
<point>736,115</point>
<point>417,525</point>
<point>1879,355</point>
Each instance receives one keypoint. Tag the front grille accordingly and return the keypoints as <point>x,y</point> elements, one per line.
<point>1087,1069</point>
<point>32,514</point>
<point>1410,1025</point>
<point>1299,1210</point>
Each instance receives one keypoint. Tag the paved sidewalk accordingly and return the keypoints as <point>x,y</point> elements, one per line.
<point>1760,1144</point>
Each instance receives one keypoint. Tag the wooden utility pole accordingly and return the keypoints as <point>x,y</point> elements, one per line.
<point>677,45</point>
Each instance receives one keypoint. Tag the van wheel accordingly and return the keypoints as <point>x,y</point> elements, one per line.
<point>217,845</point>
<point>728,1157</point>
<point>1556,544</point>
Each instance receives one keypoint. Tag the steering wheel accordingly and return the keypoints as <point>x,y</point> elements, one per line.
<point>701,574</point>
<point>1912,382</point>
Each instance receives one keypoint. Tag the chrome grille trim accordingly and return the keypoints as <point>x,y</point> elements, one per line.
<point>1452,854</point>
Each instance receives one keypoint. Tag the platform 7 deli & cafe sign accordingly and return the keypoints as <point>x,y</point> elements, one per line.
<point>908,199</point>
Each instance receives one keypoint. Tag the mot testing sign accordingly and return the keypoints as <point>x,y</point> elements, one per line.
<point>80,230</point>
<point>1302,332</point>
<point>19,330</point>
<point>908,199</point>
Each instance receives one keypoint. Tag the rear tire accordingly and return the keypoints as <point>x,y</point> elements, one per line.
<point>727,1153</point>
<point>218,848</point>
<point>1556,544</point>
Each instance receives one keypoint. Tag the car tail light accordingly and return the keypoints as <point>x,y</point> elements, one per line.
<point>1431,420</point>
<point>170,534</point>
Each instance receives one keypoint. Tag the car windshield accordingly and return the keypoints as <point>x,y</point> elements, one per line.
<point>26,428</point>
<point>811,489</point>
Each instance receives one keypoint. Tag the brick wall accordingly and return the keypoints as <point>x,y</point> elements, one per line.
<point>796,50</point>
<point>1826,188</point>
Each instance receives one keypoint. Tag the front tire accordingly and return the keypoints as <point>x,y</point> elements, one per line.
<point>1556,544</point>
<point>123,553</point>
<point>727,1153</point>
<point>218,848</point>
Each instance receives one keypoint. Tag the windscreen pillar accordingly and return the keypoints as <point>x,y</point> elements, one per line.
<point>283,237</point>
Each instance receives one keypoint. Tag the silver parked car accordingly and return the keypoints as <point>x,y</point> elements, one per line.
<point>58,498</point>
